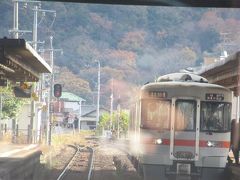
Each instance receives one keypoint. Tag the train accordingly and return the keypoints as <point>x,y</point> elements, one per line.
<point>179,128</point>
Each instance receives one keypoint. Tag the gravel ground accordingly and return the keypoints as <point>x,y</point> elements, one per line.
<point>55,165</point>
<point>80,166</point>
<point>112,163</point>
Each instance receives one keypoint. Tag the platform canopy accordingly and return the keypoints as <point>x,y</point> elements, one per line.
<point>20,62</point>
<point>224,72</point>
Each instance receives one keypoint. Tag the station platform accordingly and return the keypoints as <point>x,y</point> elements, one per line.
<point>19,162</point>
<point>17,150</point>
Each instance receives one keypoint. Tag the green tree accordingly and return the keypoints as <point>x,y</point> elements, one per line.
<point>104,122</point>
<point>123,121</point>
<point>11,105</point>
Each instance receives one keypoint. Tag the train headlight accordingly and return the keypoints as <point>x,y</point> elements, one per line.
<point>158,141</point>
<point>211,144</point>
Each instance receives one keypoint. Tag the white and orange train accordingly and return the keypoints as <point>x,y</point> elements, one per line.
<point>180,128</point>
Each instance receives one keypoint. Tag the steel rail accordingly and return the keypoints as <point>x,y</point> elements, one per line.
<point>70,162</point>
<point>91,164</point>
<point>68,167</point>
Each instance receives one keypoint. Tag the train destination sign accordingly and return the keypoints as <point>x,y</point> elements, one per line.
<point>157,94</point>
<point>214,97</point>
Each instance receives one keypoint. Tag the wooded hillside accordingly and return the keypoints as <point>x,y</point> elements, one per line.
<point>134,44</point>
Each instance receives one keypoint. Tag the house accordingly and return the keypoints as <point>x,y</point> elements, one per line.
<point>67,107</point>
<point>89,114</point>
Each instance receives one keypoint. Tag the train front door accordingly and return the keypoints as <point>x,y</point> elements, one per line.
<point>184,136</point>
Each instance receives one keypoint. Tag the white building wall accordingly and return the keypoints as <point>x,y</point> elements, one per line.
<point>38,123</point>
<point>71,105</point>
<point>23,119</point>
<point>84,126</point>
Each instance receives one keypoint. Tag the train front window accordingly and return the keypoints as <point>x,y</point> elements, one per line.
<point>215,116</point>
<point>155,114</point>
<point>185,115</point>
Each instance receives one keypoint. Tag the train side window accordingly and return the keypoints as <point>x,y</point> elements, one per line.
<point>155,114</point>
<point>227,117</point>
<point>185,115</point>
<point>215,116</point>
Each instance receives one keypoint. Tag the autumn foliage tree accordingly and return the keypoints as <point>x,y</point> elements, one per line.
<point>133,41</point>
<point>71,82</point>
<point>134,44</point>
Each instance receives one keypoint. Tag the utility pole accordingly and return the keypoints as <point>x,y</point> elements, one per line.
<point>15,31</point>
<point>118,121</point>
<point>15,19</point>
<point>98,93</point>
<point>118,117</point>
<point>50,96</point>
<point>49,99</point>
<point>35,27</point>
<point>34,44</point>
<point>80,113</point>
<point>51,93</point>
<point>111,108</point>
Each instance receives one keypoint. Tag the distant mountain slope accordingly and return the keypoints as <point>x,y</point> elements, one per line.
<point>134,44</point>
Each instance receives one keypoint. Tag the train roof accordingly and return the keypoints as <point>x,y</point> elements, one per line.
<point>182,79</point>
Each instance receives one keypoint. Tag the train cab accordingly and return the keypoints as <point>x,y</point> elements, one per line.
<point>182,124</point>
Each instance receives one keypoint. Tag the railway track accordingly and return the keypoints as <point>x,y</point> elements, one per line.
<point>80,165</point>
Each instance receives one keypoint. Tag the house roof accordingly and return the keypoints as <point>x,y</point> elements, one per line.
<point>89,109</point>
<point>70,97</point>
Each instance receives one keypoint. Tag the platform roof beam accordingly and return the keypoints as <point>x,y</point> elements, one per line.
<point>20,62</point>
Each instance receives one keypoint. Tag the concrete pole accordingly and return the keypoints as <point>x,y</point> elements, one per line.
<point>15,19</point>
<point>118,120</point>
<point>35,26</point>
<point>47,118</point>
<point>51,92</point>
<point>32,118</point>
<point>111,108</point>
<point>33,88</point>
<point>80,114</point>
<point>98,97</point>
